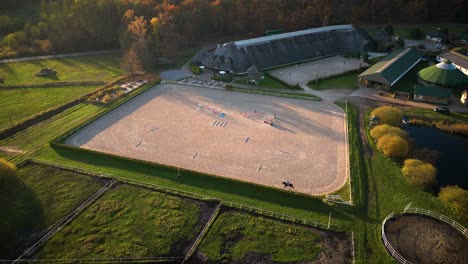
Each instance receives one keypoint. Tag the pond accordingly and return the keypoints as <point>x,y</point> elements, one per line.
<point>453,149</point>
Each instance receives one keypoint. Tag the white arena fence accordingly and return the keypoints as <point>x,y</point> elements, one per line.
<point>411,210</point>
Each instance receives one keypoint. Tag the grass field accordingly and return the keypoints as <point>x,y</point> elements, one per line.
<point>345,81</point>
<point>404,30</point>
<point>234,235</point>
<point>127,222</point>
<point>103,67</point>
<point>19,104</point>
<point>40,196</point>
<point>267,82</point>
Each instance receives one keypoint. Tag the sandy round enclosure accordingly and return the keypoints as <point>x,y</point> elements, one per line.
<point>226,134</point>
<point>423,239</point>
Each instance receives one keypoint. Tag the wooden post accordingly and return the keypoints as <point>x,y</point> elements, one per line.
<point>329,220</point>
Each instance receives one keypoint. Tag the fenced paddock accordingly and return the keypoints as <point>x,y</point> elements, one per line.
<point>303,73</point>
<point>252,138</point>
<point>428,240</point>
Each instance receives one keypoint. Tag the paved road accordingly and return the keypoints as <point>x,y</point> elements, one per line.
<point>66,55</point>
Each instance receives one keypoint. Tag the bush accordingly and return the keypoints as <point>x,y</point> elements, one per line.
<point>195,69</point>
<point>420,173</point>
<point>7,171</point>
<point>106,99</point>
<point>456,198</point>
<point>393,146</point>
<point>382,130</point>
<point>388,115</point>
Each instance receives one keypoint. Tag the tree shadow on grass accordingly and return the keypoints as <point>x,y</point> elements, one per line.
<point>21,216</point>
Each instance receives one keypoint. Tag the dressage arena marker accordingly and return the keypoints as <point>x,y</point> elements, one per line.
<point>139,143</point>
<point>194,156</point>
<point>154,129</point>
<point>225,124</point>
<point>260,168</point>
<point>214,123</point>
<point>247,139</point>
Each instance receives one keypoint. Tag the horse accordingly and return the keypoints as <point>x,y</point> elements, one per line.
<point>288,184</point>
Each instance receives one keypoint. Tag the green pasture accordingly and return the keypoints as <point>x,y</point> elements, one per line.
<point>104,67</point>
<point>344,81</point>
<point>20,104</point>
<point>233,235</point>
<point>39,197</point>
<point>127,221</point>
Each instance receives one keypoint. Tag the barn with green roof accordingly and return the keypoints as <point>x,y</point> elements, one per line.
<point>390,69</point>
<point>445,75</point>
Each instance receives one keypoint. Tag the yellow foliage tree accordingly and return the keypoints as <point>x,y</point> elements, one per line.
<point>7,171</point>
<point>456,198</point>
<point>381,130</point>
<point>388,115</point>
<point>393,146</point>
<point>420,173</point>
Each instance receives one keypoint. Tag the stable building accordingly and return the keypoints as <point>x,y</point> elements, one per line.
<point>390,69</point>
<point>437,35</point>
<point>285,49</point>
<point>444,75</point>
<point>430,94</point>
<point>459,60</point>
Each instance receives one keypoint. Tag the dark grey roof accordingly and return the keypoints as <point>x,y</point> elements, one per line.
<point>286,48</point>
<point>456,58</point>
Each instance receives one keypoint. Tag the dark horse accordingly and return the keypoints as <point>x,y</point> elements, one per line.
<point>288,184</point>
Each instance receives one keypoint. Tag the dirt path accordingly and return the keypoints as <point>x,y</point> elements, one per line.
<point>362,131</point>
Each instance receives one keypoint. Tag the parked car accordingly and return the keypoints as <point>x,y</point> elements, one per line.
<point>442,109</point>
<point>439,46</point>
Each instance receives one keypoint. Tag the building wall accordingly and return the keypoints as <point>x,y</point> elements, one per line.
<point>430,99</point>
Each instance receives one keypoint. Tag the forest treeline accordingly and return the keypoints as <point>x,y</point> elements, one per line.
<point>162,27</point>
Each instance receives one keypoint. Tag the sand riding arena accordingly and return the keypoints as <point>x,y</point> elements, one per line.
<point>259,139</point>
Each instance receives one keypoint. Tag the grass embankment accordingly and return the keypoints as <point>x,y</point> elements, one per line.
<point>233,235</point>
<point>302,96</point>
<point>453,123</point>
<point>407,82</point>
<point>127,222</point>
<point>404,30</point>
<point>20,104</point>
<point>346,81</point>
<point>41,196</point>
<point>266,82</point>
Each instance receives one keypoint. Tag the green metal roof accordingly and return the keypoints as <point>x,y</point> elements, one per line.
<point>431,91</point>
<point>393,66</point>
<point>443,74</point>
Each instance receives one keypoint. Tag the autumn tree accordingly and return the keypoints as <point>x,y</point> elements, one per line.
<point>393,146</point>
<point>457,199</point>
<point>420,173</point>
<point>7,171</point>
<point>378,131</point>
<point>388,115</point>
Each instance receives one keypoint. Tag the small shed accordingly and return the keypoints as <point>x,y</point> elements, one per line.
<point>253,73</point>
<point>431,94</point>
